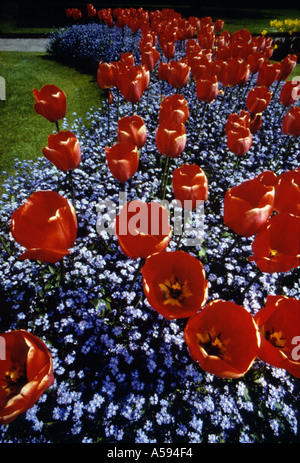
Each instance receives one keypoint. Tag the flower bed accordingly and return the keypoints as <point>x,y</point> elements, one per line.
<point>123,373</point>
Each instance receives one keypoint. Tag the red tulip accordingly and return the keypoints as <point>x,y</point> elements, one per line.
<point>255,123</point>
<point>132,129</point>
<point>50,102</point>
<point>290,93</point>
<point>179,74</point>
<point>174,108</point>
<point>267,74</point>
<point>223,338</point>
<point>279,326</point>
<point>235,120</point>
<point>207,88</point>
<point>291,122</point>
<point>91,10</point>
<point>287,192</point>
<point>239,140</point>
<point>142,229</point>
<point>287,65</point>
<point>106,75</point>
<point>168,49</point>
<point>174,284</point>
<point>190,185</point>
<point>122,160</point>
<point>134,81</point>
<point>206,39</point>
<point>248,206</point>
<point>150,57</point>
<point>63,151</point>
<point>76,13</point>
<point>170,138</point>
<point>127,58</point>
<point>218,26</point>
<point>200,66</point>
<point>25,373</point>
<point>163,70</point>
<point>276,247</point>
<point>235,71</point>
<point>258,99</point>
<point>255,61</point>
<point>46,226</point>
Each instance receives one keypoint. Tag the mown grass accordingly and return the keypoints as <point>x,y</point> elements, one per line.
<point>23,132</point>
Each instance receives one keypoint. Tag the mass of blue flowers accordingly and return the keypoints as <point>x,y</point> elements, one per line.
<point>122,372</point>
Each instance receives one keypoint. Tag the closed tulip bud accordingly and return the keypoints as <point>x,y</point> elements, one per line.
<point>258,99</point>
<point>142,229</point>
<point>179,74</point>
<point>291,122</point>
<point>63,151</point>
<point>239,140</point>
<point>150,57</point>
<point>190,185</point>
<point>174,108</point>
<point>50,102</point>
<point>106,75</point>
<point>46,226</point>
<point>207,88</point>
<point>170,138</point>
<point>268,73</point>
<point>290,93</point>
<point>255,61</point>
<point>133,130</point>
<point>248,206</point>
<point>287,65</point>
<point>168,49</point>
<point>287,192</point>
<point>122,160</point>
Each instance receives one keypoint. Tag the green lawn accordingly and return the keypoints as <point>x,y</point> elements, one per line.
<point>23,132</point>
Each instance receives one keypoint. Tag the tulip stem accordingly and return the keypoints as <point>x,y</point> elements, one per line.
<point>165,177</point>
<point>57,126</point>
<point>203,114</point>
<point>137,272</point>
<point>62,271</point>
<point>179,241</point>
<point>251,282</point>
<point>108,118</point>
<point>5,247</point>
<point>231,247</point>
<point>72,188</point>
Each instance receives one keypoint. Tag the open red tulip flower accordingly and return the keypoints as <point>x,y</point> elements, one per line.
<point>122,160</point>
<point>207,88</point>
<point>258,99</point>
<point>223,338</point>
<point>25,373</point>
<point>248,206</point>
<point>239,140</point>
<point>276,246</point>
<point>171,138</point>
<point>279,325</point>
<point>63,151</point>
<point>178,74</point>
<point>287,192</point>
<point>132,129</point>
<point>290,93</point>
<point>174,284</point>
<point>255,61</point>
<point>291,122</point>
<point>190,185</point>
<point>174,108</point>
<point>50,102</point>
<point>142,229</point>
<point>46,226</point>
